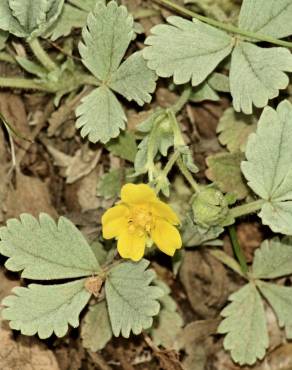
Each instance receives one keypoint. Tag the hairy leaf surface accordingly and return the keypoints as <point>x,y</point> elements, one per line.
<point>234,129</point>
<point>271,18</point>
<point>105,39</point>
<point>96,330</point>
<point>273,259</point>
<point>45,309</point>
<point>132,301</point>
<point>268,166</point>
<point>257,75</point>
<point>245,325</point>
<point>100,116</point>
<point>45,250</point>
<point>134,80</point>
<point>280,298</point>
<point>186,50</point>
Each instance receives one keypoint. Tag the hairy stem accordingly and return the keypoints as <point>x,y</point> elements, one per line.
<point>174,157</point>
<point>42,56</point>
<point>237,249</point>
<point>223,26</point>
<point>188,176</point>
<point>247,208</point>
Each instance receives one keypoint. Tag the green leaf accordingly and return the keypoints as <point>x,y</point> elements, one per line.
<point>186,50</point>
<point>234,129</point>
<point>100,116</point>
<point>169,322</point>
<point>45,309</point>
<point>96,330</point>
<point>273,259</point>
<point>245,325</point>
<point>203,92</point>
<point>219,82</point>
<point>224,171</point>
<point>29,18</point>
<point>106,38</point>
<point>124,146</point>
<point>70,17</point>
<point>86,5</point>
<point>32,67</point>
<point>132,301</point>
<point>271,18</point>
<point>111,182</point>
<point>134,80</point>
<point>257,75</point>
<point>280,298</point>
<point>268,166</point>
<point>45,250</point>
<point>3,38</point>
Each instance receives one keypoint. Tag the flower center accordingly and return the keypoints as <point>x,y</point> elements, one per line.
<point>140,219</point>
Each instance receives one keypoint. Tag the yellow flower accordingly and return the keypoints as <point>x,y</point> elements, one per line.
<point>138,216</point>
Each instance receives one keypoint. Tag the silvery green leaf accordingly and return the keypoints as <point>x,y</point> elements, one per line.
<point>273,259</point>
<point>106,37</point>
<point>100,116</point>
<point>268,166</point>
<point>70,18</point>
<point>257,75</point>
<point>30,18</point>
<point>96,329</point>
<point>245,325</point>
<point>169,322</point>
<point>132,301</point>
<point>124,146</point>
<point>203,92</point>
<point>224,171</point>
<point>3,37</point>
<point>186,50</point>
<point>280,298</point>
<point>87,5</point>
<point>109,185</point>
<point>45,250</point>
<point>134,80</point>
<point>271,18</point>
<point>8,22</point>
<point>219,82</point>
<point>234,129</point>
<point>45,309</point>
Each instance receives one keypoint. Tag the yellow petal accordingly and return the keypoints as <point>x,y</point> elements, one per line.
<point>131,245</point>
<point>163,210</point>
<point>114,228</point>
<point>114,213</point>
<point>166,237</point>
<point>141,193</point>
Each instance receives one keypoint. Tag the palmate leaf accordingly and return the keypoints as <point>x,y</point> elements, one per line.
<point>96,330</point>
<point>245,325</point>
<point>272,18</point>
<point>186,50</point>
<point>45,309</point>
<point>273,259</point>
<point>257,75</point>
<point>268,166</point>
<point>100,116</point>
<point>45,250</point>
<point>29,18</point>
<point>106,37</point>
<point>280,298</point>
<point>3,38</point>
<point>132,301</point>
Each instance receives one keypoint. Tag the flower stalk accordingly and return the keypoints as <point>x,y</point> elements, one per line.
<point>42,56</point>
